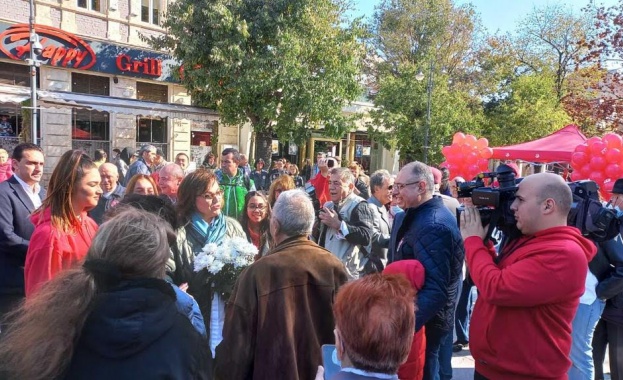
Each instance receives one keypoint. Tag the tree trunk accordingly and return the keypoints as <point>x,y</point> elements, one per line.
<point>263,145</point>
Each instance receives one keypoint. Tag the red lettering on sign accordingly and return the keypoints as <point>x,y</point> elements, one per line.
<point>148,66</point>
<point>59,47</point>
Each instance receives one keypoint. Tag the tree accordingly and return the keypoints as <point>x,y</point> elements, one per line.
<point>286,66</point>
<point>550,39</point>
<point>434,37</point>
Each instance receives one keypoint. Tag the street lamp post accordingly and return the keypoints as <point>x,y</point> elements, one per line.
<point>35,50</point>
<point>429,91</point>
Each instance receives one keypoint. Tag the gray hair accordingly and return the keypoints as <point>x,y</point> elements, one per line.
<point>346,176</point>
<point>146,148</point>
<point>295,213</point>
<point>137,231</point>
<point>377,178</point>
<point>421,172</point>
<point>173,169</point>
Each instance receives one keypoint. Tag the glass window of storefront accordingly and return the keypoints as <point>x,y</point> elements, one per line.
<point>152,92</point>
<point>90,84</point>
<point>150,11</point>
<point>90,130</point>
<point>16,75</point>
<point>152,130</point>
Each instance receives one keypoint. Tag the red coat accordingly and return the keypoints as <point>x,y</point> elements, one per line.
<point>521,325</point>
<point>413,368</point>
<point>51,250</point>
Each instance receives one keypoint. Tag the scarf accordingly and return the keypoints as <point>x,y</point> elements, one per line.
<point>213,232</point>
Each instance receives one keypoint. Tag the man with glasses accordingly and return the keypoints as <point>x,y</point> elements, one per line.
<point>429,233</point>
<point>346,223</point>
<point>234,183</point>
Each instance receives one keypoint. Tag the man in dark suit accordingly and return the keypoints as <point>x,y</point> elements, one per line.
<point>20,195</point>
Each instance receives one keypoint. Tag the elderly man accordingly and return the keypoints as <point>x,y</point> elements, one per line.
<point>169,179</point>
<point>244,164</point>
<point>112,192</point>
<point>529,293</point>
<point>381,185</point>
<point>183,161</point>
<point>234,183</point>
<point>20,195</point>
<point>346,223</point>
<point>280,315</point>
<point>147,157</point>
<point>429,233</point>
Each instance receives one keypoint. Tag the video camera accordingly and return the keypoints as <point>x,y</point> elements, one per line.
<point>493,203</point>
<point>596,221</point>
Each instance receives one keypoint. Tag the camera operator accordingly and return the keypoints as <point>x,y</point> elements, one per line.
<point>528,295</point>
<point>321,181</point>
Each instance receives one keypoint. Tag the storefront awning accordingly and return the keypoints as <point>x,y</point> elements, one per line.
<point>58,99</point>
<point>14,94</point>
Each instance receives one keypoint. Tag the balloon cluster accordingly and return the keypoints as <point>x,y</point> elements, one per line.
<point>599,159</point>
<point>467,156</point>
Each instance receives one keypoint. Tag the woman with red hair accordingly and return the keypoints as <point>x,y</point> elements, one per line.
<point>374,324</point>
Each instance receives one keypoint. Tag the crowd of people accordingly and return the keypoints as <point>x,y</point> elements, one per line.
<point>98,277</point>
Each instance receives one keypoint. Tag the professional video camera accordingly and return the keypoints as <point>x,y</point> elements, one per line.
<point>493,203</point>
<point>597,222</point>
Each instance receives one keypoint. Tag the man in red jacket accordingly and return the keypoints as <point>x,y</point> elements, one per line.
<point>521,325</point>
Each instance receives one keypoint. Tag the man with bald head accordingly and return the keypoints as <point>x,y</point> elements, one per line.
<point>529,292</point>
<point>113,191</point>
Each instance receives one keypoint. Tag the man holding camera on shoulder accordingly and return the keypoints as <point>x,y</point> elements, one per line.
<point>529,293</point>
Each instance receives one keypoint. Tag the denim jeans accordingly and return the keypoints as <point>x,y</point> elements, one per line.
<point>434,339</point>
<point>464,313</point>
<point>584,322</point>
<point>445,357</point>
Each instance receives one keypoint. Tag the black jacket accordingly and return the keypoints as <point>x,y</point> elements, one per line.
<point>430,234</point>
<point>136,332</point>
<point>608,268</point>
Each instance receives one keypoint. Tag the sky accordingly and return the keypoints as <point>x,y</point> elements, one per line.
<point>496,15</point>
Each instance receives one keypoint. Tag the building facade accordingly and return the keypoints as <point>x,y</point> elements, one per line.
<point>100,86</point>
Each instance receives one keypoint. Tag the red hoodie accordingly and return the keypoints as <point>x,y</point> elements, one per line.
<point>521,325</point>
<point>51,250</point>
<point>413,368</point>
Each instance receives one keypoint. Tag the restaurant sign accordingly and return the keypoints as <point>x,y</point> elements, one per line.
<point>63,49</point>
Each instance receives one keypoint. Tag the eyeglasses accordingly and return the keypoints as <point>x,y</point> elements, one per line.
<point>209,197</point>
<point>400,186</point>
<point>257,207</point>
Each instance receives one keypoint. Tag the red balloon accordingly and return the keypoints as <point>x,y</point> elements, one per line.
<point>486,153</point>
<point>471,158</point>
<point>612,140</point>
<point>585,171</point>
<point>466,149</point>
<point>470,140</point>
<point>483,164</point>
<point>473,170</point>
<point>613,171</point>
<point>577,176</point>
<point>458,138</point>
<point>598,177</point>
<point>579,158</point>
<point>598,148</point>
<point>482,143</point>
<point>597,164</point>
<point>593,140</point>
<point>581,148</point>
<point>613,155</point>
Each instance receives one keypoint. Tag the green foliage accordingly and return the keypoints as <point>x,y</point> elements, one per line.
<point>530,111</point>
<point>287,66</point>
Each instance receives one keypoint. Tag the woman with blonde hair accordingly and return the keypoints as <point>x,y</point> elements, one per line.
<point>63,230</point>
<point>114,317</point>
<point>282,183</point>
<point>142,184</point>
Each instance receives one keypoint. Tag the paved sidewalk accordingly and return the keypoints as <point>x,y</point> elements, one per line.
<point>463,366</point>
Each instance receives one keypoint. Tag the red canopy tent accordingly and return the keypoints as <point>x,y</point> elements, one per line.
<point>558,146</point>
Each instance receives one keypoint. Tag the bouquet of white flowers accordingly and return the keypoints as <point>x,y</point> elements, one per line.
<point>224,263</point>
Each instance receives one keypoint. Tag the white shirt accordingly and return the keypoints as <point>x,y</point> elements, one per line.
<point>33,195</point>
<point>590,292</point>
